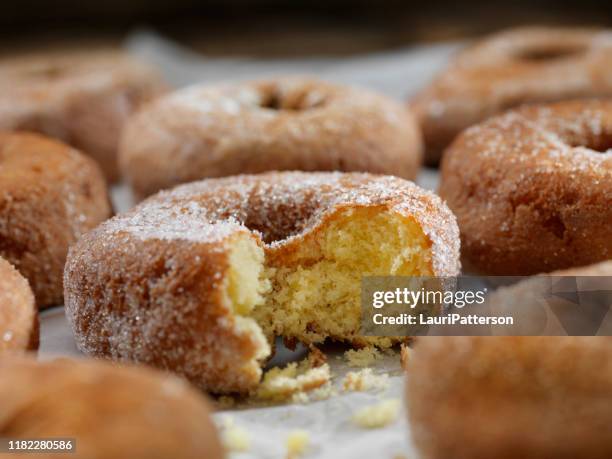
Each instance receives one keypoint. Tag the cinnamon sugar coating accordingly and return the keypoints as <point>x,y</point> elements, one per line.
<point>148,285</point>
<point>81,99</point>
<point>507,397</point>
<point>532,188</point>
<point>510,68</point>
<point>50,194</point>
<point>110,411</point>
<point>252,127</point>
<point>18,314</point>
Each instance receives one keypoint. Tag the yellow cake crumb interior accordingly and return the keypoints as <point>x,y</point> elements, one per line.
<point>314,293</point>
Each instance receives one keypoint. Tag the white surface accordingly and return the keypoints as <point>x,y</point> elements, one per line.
<point>329,422</point>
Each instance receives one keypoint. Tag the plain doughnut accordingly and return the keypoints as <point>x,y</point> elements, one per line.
<point>252,127</point>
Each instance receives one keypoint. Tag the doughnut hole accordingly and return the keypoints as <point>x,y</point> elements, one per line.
<point>317,293</point>
<point>598,144</point>
<point>542,54</point>
<point>298,98</point>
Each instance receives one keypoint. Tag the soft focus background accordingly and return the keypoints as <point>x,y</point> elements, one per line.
<point>278,28</point>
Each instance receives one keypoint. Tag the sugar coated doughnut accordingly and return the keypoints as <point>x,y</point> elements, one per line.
<point>532,188</point>
<point>510,68</point>
<point>18,313</point>
<point>50,194</point>
<point>198,280</point>
<point>252,127</point>
<point>508,397</point>
<point>80,98</point>
<point>106,411</point>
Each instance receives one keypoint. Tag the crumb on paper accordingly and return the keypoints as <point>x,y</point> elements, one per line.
<point>404,356</point>
<point>362,357</point>
<point>281,384</point>
<point>297,443</point>
<point>364,380</point>
<point>234,438</point>
<point>378,415</point>
<point>316,357</point>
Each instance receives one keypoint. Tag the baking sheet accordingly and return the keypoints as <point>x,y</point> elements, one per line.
<point>332,433</point>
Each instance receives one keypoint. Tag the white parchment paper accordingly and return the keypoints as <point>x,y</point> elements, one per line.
<point>332,433</point>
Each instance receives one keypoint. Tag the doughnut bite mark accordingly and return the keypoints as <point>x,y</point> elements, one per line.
<point>198,280</point>
<point>252,127</point>
<point>50,194</point>
<point>82,99</point>
<point>532,188</point>
<point>510,68</point>
<point>18,313</point>
<point>509,397</point>
<point>111,412</point>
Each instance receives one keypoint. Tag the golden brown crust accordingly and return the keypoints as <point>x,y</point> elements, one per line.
<point>510,397</point>
<point>532,189</point>
<point>18,313</point>
<point>110,411</point>
<point>510,68</point>
<point>147,286</point>
<point>81,99</point>
<point>253,127</point>
<point>50,194</point>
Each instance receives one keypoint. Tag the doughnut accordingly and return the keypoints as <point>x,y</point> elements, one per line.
<point>252,127</point>
<point>18,314</point>
<point>508,69</point>
<point>198,280</point>
<point>508,397</point>
<point>532,188</point>
<point>50,194</point>
<point>109,412</point>
<point>81,99</point>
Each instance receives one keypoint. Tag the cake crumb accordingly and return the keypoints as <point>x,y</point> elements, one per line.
<point>363,380</point>
<point>234,439</point>
<point>404,356</point>
<point>378,415</point>
<point>280,384</point>
<point>297,443</point>
<point>362,357</point>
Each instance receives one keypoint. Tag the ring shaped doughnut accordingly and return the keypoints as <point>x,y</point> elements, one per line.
<point>532,189</point>
<point>50,194</point>
<point>533,397</point>
<point>252,127</point>
<point>111,412</point>
<point>524,65</point>
<point>195,279</point>
<point>81,99</point>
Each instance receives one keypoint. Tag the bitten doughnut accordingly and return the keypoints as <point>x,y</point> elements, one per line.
<point>18,314</point>
<point>510,68</point>
<point>111,412</point>
<point>50,194</point>
<point>532,189</point>
<point>198,280</point>
<point>82,99</point>
<point>283,124</point>
<point>508,397</point>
